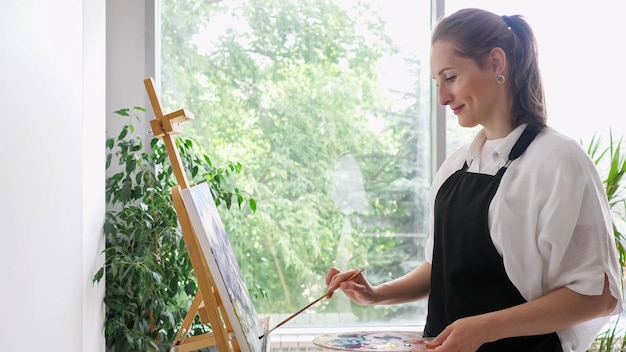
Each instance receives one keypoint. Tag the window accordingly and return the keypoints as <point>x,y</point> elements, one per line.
<point>326,104</point>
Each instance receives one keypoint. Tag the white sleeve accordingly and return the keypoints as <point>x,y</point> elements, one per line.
<point>558,225</point>
<point>575,236</point>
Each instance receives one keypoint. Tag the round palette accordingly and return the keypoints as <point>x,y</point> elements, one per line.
<point>378,341</point>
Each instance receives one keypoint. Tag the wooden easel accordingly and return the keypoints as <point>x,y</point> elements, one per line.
<point>207,303</point>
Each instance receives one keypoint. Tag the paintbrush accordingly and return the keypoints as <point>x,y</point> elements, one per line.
<point>307,306</point>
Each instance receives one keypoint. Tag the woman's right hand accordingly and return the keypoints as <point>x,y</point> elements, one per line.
<point>357,289</point>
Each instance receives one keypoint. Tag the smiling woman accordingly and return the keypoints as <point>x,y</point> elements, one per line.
<point>521,254</point>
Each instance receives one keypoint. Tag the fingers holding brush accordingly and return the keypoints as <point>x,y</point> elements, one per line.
<point>332,277</point>
<point>351,282</point>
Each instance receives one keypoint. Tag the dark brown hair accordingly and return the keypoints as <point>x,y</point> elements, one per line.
<point>475,32</point>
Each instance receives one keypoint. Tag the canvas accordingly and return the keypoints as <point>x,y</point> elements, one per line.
<point>221,260</point>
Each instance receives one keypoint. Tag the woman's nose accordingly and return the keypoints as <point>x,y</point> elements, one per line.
<point>444,96</point>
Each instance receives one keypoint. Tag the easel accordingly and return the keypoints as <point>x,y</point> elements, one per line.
<point>207,303</point>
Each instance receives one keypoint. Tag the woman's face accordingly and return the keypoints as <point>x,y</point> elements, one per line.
<point>471,92</point>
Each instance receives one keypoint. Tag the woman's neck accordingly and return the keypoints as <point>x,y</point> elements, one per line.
<point>498,130</point>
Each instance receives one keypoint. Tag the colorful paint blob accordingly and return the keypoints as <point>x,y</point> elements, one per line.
<point>378,341</point>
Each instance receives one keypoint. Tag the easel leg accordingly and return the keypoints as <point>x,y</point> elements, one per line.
<point>189,318</point>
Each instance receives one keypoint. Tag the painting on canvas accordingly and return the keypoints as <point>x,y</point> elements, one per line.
<point>224,267</point>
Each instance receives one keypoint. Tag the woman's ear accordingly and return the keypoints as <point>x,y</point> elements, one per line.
<point>497,61</point>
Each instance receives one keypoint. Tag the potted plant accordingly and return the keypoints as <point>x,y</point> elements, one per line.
<point>149,278</point>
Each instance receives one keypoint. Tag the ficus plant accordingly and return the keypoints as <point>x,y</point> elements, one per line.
<point>149,278</point>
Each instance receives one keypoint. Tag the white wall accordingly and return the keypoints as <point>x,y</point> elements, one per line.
<point>52,100</point>
<point>131,58</point>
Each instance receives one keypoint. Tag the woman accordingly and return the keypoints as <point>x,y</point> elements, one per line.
<point>521,255</point>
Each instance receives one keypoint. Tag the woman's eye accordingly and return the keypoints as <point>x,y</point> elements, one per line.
<point>450,79</point>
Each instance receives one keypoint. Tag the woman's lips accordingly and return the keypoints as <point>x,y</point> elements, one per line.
<point>457,109</point>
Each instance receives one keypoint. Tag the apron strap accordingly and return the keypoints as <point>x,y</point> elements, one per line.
<point>522,142</point>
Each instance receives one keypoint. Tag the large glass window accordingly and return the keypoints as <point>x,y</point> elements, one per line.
<point>326,104</point>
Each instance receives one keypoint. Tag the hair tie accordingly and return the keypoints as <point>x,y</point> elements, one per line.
<point>507,20</point>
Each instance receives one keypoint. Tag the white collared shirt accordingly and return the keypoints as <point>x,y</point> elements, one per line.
<point>549,220</point>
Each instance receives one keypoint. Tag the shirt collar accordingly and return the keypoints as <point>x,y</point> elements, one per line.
<point>502,150</point>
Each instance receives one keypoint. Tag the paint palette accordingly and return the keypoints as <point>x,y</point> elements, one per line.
<point>378,341</point>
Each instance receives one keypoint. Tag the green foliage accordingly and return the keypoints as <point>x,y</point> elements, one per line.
<point>611,340</point>
<point>148,274</point>
<point>611,163</point>
<point>289,88</point>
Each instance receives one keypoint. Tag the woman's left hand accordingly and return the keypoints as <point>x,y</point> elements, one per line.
<point>463,335</point>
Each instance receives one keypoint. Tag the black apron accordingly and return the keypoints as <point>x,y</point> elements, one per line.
<point>468,276</point>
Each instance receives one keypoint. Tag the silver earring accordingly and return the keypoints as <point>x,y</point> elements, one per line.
<point>500,79</point>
